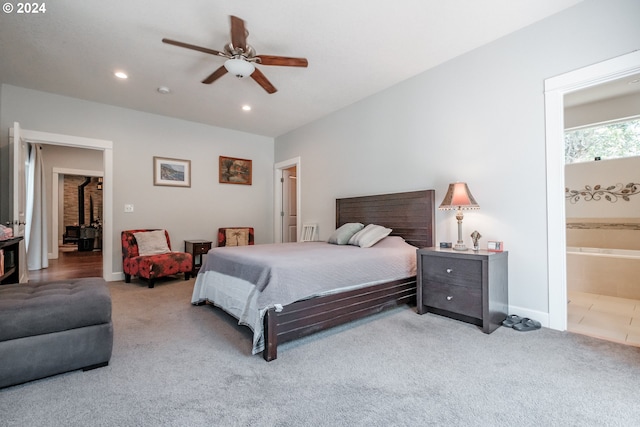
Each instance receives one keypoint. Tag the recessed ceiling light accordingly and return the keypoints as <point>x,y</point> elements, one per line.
<point>164,90</point>
<point>246,107</point>
<point>121,75</point>
<point>634,81</point>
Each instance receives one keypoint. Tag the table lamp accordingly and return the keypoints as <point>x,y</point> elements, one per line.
<point>459,197</point>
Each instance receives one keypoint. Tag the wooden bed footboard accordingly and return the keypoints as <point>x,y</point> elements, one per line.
<point>305,317</point>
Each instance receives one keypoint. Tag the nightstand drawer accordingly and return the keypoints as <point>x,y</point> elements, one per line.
<point>452,271</point>
<point>457,299</point>
<point>201,248</point>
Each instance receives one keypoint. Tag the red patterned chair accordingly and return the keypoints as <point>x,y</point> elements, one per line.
<point>156,260</point>
<point>235,236</point>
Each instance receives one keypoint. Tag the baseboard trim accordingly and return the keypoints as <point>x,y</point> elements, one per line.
<point>116,276</point>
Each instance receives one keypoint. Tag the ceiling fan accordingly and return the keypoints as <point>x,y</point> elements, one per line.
<point>241,57</point>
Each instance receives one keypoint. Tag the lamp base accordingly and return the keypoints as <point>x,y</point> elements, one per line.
<point>460,247</point>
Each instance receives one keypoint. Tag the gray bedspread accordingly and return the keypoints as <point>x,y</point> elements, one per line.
<point>287,272</point>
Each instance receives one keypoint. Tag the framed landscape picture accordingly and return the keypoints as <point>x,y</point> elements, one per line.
<point>234,171</point>
<point>171,172</point>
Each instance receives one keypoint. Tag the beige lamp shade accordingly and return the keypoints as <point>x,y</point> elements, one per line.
<point>458,197</point>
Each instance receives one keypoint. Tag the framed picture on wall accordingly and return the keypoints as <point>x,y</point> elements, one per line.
<point>171,172</point>
<point>234,171</point>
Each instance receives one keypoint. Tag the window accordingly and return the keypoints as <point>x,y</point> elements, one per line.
<point>606,141</point>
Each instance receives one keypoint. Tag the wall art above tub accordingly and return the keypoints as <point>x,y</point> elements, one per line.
<point>612,193</point>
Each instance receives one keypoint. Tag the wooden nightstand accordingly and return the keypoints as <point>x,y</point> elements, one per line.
<point>197,248</point>
<point>471,286</point>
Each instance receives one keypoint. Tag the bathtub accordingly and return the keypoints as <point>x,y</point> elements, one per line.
<point>613,272</point>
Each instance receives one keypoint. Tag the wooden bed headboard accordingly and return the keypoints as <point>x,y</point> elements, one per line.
<point>410,214</point>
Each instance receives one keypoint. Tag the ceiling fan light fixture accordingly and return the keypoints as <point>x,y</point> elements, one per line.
<point>239,67</point>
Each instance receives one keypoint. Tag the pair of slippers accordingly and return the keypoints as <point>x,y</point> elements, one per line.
<point>521,324</point>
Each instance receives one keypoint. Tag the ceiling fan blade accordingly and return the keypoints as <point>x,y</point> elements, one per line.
<point>215,75</point>
<point>194,47</point>
<point>263,81</point>
<point>238,33</point>
<point>282,61</point>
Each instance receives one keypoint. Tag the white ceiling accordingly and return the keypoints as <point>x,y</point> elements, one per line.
<point>355,48</point>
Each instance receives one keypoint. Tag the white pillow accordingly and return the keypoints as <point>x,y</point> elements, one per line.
<point>151,242</point>
<point>342,235</point>
<point>369,236</point>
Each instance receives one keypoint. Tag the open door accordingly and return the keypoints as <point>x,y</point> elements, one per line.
<point>20,157</point>
<point>289,205</point>
<point>287,218</point>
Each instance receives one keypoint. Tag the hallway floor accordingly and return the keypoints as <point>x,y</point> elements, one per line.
<point>70,265</point>
<point>601,316</point>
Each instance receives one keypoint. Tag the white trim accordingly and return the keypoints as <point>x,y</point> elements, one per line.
<point>555,90</point>
<point>55,195</point>
<point>107,192</point>
<point>66,140</point>
<point>278,167</point>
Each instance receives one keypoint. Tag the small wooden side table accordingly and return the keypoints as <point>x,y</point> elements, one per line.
<point>197,248</point>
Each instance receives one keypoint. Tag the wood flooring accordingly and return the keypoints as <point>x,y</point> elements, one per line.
<point>70,265</point>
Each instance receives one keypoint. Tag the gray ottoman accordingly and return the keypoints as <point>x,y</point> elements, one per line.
<point>53,327</point>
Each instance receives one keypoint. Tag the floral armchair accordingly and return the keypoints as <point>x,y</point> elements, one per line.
<point>157,261</point>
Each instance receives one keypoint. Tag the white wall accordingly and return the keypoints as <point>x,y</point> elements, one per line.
<point>187,213</point>
<point>602,111</point>
<point>478,118</point>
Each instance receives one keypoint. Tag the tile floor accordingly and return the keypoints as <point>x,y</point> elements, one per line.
<point>609,318</point>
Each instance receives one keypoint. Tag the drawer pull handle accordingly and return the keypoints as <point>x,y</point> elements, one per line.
<point>449,270</point>
<point>449,298</point>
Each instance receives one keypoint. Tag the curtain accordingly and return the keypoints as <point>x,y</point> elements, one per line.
<point>36,241</point>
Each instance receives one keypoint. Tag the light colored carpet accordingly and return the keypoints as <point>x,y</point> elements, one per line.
<point>175,364</point>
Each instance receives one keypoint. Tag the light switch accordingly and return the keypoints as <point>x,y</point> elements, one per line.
<point>128,208</point>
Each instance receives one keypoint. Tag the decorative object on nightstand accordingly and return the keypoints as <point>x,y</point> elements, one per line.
<point>459,197</point>
<point>467,286</point>
<point>197,248</point>
<point>475,236</point>
<point>493,246</point>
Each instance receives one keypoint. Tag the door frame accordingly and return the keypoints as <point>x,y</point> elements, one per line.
<point>278,175</point>
<point>106,147</point>
<point>555,90</point>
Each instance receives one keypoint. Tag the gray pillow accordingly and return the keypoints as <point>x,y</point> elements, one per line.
<point>342,235</point>
<point>369,236</point>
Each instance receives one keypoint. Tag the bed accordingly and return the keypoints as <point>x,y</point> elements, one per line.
<point>278,315</point>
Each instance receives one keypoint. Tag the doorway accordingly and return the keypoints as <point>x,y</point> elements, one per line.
<point>603,213</point>
<point>555,90</point>
<point>106,147</point>
<point>60,215</point>
<point>288,184</point>
<point>289,205</point>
